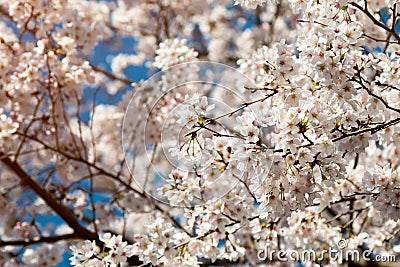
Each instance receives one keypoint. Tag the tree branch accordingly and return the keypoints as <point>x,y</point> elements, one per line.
<point>375,21</point>
<point>112,76</point>
<point>44,239</point>
<point>59,209</point>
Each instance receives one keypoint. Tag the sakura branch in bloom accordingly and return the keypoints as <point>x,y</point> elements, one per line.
<point>198,133</point>
<point>189,132</point>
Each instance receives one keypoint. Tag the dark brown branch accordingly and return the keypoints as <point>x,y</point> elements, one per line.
<point>44,239</point>
<point>375,21</point>
<point>360,82</point>
<point>59,209</point>
<point>106,173</point>
<point>372,130</point>
<point>112,76</point>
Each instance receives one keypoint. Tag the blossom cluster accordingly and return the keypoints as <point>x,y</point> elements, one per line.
<point>115,251</point>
